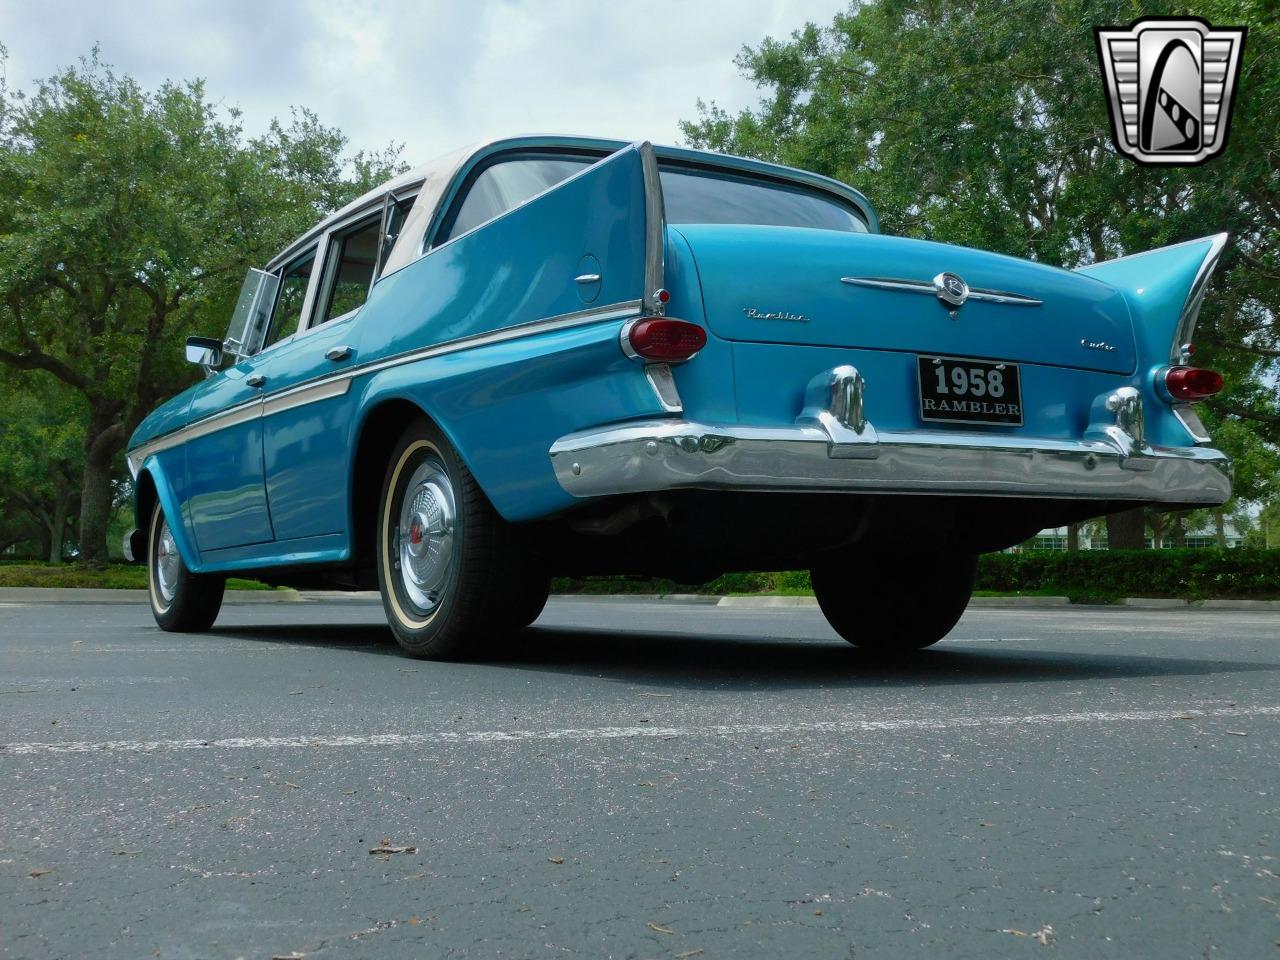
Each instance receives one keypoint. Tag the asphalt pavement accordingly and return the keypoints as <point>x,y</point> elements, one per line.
<point>639,779</point>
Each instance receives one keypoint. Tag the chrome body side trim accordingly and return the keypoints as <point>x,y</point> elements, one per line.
<point>337,383</point>
<point>1195,297</point>
<point>305,394</point>
<point>655,231</point>
<point>579,318</point>
<point>929,287</point>
<point>1188,417</point>
<point>231,417</point>
<point>664,386</point>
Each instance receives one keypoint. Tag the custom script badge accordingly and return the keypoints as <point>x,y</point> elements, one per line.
<point>1170,83</point>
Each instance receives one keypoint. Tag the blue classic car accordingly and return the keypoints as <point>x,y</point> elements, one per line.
<point>565,356</point>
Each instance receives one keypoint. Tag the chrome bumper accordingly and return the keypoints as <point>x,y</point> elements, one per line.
<point>832,448</point>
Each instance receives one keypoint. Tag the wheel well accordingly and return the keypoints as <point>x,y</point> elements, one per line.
<point>144,499</point>
<point>382,428</point>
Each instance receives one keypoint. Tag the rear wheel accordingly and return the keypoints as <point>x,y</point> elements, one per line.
<point>443,551</point>
<point>182,601</point>
<point>529,592</point>
<point>894,604</point>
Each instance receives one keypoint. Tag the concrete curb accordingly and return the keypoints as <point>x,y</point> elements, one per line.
<point>748,603</point>
<point>1019,602</point>
<point>96,595</point>
<point>702,598</point>
<point>1154,603</point>
<point>758,602</point>
<point>1272,606</point>
<point>344,596</point>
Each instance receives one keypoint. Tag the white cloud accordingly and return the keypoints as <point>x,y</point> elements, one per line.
<point>432,74</point>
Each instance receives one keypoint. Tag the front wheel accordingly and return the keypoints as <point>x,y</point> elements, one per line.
<point>894,604</point>
<point>182,601</point>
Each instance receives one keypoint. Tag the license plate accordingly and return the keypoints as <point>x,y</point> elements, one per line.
<point>956,390</point>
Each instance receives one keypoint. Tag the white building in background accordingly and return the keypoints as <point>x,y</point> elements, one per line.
<point>1055,538</point>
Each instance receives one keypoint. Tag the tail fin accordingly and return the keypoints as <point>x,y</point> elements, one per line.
<point>1164,289</point>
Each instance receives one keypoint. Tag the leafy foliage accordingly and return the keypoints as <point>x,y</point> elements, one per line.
<point>1097,575</point>
<point>127,218</point>
<point>40,462</point>
<point>1103,574</point>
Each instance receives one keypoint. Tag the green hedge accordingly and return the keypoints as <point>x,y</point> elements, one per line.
<point>1105,574</point>
<point>114,576</point>
<point>1086,575</point>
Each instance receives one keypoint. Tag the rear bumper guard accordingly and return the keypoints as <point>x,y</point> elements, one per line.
<point>833,448</point>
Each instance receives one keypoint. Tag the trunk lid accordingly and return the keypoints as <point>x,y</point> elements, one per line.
<point>783,285</point>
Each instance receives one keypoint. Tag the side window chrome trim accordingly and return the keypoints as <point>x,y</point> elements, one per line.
<point>325,225</point>
<point>317,294</point>
<point>314,254</point>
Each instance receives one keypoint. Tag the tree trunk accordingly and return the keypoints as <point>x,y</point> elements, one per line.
<point>103,441</point>
<point>1179,531</point>
<point>1125,529</point>
<point>1073,537</point>
<point>58,529</point>
<point>1220,529</point>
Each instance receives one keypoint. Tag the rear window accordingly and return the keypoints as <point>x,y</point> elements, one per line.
<point>692,195</point>
<point>695,196</point>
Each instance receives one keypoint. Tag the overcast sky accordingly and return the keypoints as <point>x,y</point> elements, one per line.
<point>433,74</point>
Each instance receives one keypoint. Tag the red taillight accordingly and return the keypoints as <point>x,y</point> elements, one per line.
<point>663,339</point>
<point>1192,383</point>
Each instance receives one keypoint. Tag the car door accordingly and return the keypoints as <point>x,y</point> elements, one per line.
<point>308,407</point>
<point>227,494</point>
<point>224,463</point>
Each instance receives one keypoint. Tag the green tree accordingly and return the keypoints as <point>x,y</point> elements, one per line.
<point>984,124</point>
<point>127,218</point>
<point>40,461</point>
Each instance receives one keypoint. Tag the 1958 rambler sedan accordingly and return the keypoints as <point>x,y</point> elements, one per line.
<point>565,356</point>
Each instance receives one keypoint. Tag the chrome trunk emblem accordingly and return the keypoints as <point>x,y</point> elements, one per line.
<point>948,287</point>
<point>951,289</point>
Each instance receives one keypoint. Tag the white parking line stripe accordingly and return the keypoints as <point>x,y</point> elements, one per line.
<point>626,733</point>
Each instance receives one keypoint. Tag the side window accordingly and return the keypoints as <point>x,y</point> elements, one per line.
<point>293,293</point>
<point>396,213</point>
<point>507,184</point>
<point>348,275</point>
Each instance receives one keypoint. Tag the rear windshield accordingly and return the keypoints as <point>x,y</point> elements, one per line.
<point>696,196</point>
<point>691,195</point>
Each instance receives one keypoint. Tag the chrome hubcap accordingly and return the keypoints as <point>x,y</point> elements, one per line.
<point>167,564</point>
<point>424,535</point>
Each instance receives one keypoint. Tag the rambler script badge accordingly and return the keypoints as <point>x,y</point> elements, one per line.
<point>1170,83</point>
<point>754,314</point>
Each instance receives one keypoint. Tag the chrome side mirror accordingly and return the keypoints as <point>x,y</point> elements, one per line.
<point>205,351</point>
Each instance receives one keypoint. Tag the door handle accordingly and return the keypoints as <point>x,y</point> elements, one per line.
<point>255,380</point>
<point>337,353</point>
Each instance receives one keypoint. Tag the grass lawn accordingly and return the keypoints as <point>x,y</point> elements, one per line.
<point>115,576</point>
